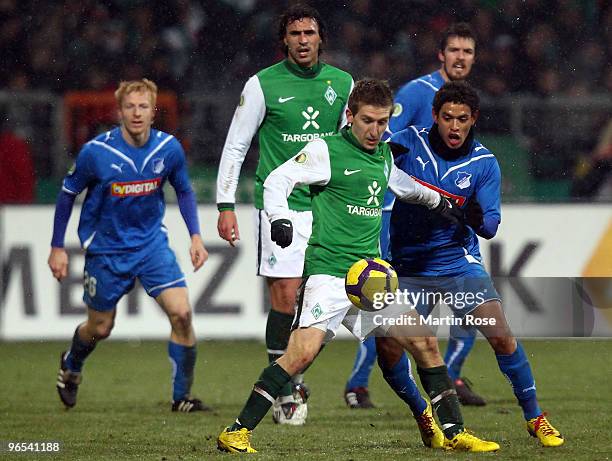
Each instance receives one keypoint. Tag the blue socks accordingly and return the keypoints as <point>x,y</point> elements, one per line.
<point>364,361</point>
<point>516,368</point>
<point>183,360</point>
<point>79,350</point>
<point>460,344</point>
<point>401,381</point>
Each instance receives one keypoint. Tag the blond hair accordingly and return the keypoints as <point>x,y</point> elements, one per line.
<point>141,86</point>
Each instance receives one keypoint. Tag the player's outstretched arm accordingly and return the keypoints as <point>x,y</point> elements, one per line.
<point>197,251</point>
<point>408,190</point>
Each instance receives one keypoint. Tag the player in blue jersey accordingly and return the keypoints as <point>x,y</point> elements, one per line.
<point>412,106</point>
<point>435,258</point>
<point>121,230</point>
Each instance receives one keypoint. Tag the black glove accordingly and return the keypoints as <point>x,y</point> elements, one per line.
<point>282,232</point>
<point>449,211</point>
<point>473,214</point>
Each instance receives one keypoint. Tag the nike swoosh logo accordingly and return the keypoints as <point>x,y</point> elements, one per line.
<point>282,100</point>
<point>286,225</point>
<point>348,172</point>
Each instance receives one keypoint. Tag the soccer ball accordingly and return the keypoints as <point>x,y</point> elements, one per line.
<point>365,279</point>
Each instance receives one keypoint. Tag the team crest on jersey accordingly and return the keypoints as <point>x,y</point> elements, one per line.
<point>317,311</point>
<point>158,165</point>
<point>330,95</point>
<point>397,109</point>
<point>72,169</point>
<point>463,180</point>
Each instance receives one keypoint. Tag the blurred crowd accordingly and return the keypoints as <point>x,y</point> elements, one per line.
<point>549,50</point>
<point>539,47</point>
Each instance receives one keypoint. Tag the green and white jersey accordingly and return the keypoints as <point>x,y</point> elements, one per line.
<point>289,106</point>
<point>348,184</point>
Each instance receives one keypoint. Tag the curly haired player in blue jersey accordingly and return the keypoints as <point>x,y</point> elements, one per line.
<point>434,257</point>
<point>121,230</point>
<point>412,106</point>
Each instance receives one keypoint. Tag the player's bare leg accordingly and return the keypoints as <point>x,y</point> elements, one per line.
<point>181,348</point>
<point>97,327</point>
<point>514,364</point>
<point>291,407</point>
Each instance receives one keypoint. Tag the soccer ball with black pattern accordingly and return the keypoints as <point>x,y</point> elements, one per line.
<point>366,278</point>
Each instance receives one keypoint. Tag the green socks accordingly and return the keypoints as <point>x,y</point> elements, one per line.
<point>278,330</point>
<point>443,398</point>
<point>264,393</point>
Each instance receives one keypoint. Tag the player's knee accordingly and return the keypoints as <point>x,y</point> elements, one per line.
<point>285,302</point>
<point>181,320</point>
<point>284,296</point>
<point>389,352</point>
<point>102,330</point>
<point>304,357</point>
<point>503,345</point>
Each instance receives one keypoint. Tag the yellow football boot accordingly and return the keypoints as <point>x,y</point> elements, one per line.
<point>431,435</point>
<point>235,441</point>
<point>466,441</point>
<point>540,427</point>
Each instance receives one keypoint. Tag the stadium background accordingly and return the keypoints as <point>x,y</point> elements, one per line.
<point>545,75</point>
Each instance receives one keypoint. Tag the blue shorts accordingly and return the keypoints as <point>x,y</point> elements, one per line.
<point>463,289</point>
<point>108,277</point>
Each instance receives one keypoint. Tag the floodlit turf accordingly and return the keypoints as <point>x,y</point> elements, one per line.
<point>123,410</point>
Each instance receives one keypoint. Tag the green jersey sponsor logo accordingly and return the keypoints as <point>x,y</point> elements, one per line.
<point>310,114</point>
<point>304,137</point>
<point>364,211</point>
<point>374,190</point>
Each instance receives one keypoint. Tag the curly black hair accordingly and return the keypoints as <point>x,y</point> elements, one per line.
<point>459,93</point>
<point>295,13</point>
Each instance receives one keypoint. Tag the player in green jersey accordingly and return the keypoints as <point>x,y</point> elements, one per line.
<point>348,174</point>
<point>288,104</point>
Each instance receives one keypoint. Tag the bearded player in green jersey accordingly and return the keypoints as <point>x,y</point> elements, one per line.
<point>348,175</point>
<point>288,104</point>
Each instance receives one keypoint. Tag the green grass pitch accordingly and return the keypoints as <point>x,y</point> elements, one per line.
<point>123,409</point>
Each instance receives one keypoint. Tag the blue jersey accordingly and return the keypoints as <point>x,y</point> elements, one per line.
<point>424,241</point>
<point>412,106</point>
<point>413,102</point>
<point>124,206</point>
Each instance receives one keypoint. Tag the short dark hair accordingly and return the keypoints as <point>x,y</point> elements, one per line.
<point>295,13</point>
<point>370,91</point>
<point>459,93</point>
<point>459,29</point>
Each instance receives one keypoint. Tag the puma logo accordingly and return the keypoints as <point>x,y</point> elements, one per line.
<point>420,160</point>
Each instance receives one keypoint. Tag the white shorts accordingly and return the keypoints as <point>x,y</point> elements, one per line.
<point>323,304</point>
<point>274,261</point>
